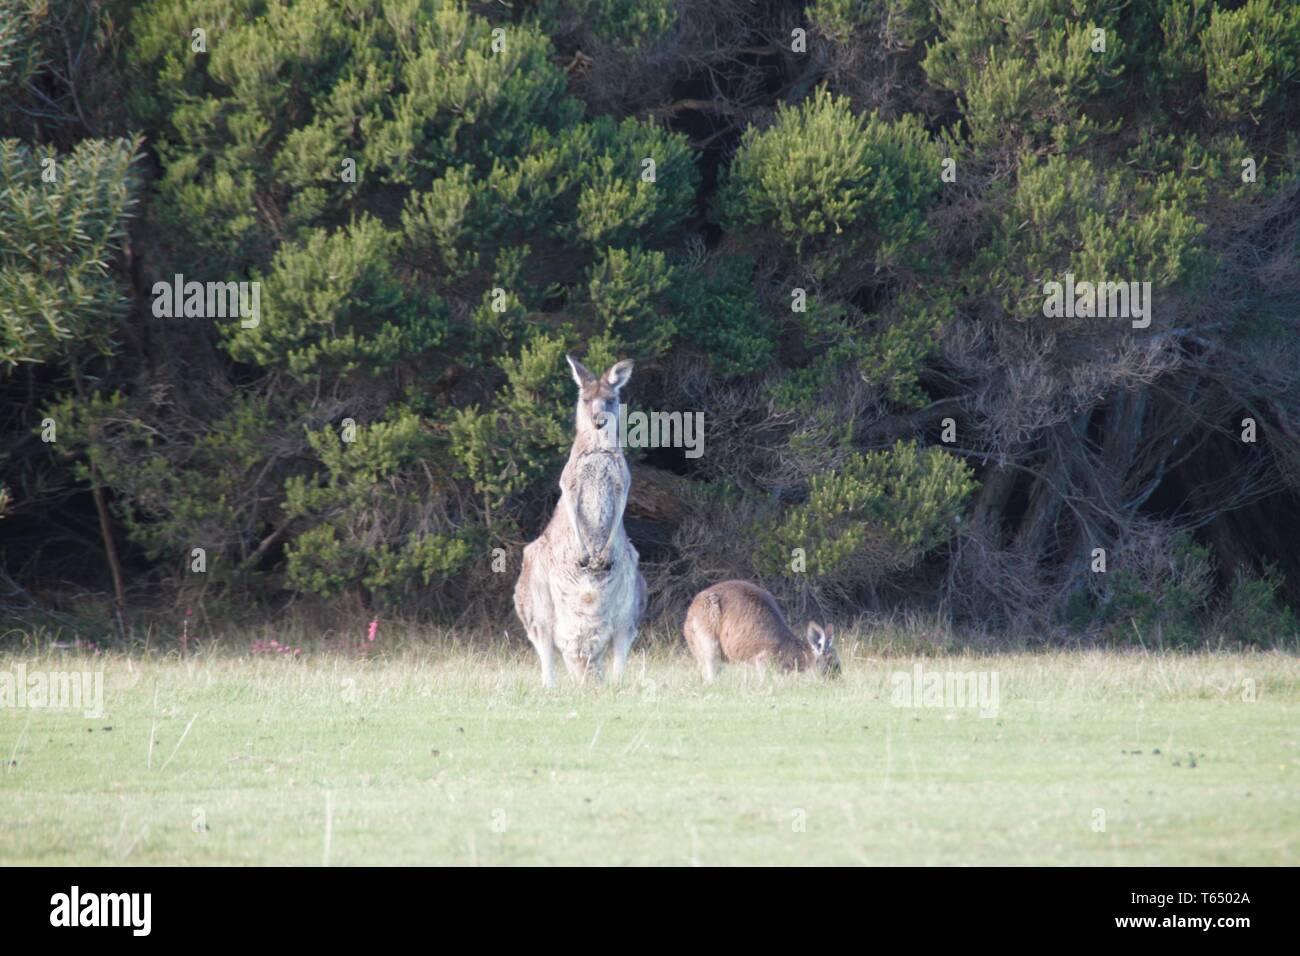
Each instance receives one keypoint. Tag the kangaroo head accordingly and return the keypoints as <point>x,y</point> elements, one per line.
<point>598,399</point>
<point>822,640</point>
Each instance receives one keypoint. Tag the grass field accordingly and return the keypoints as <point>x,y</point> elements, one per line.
<point>443,756</point>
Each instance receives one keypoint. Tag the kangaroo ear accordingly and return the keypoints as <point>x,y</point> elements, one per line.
<point>619,373</point>
<point>817,638</point>
<point>580,373</point>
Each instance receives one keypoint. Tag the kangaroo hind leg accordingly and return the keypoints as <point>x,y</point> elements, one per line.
<point>705,647</point>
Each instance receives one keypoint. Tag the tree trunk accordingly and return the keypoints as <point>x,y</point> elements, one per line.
<point>105,525</point>
<point>658,495</point>
<point>110,547</point>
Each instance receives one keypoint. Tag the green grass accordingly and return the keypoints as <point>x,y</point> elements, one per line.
<point>448,757</point>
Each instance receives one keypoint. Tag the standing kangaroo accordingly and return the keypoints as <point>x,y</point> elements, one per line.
<point>580,590</point>
<point>741,621</point>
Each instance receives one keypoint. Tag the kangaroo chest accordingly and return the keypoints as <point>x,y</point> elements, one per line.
<point>598,482</point>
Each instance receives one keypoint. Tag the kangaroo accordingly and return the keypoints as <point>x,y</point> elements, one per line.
<point>741,622</point>
<point>580,590</point>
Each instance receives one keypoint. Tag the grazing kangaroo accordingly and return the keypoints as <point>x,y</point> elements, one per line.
<point>580,590</point>
<point>741,622</point>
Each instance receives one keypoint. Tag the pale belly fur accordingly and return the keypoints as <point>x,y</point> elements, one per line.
<point>591,608</point>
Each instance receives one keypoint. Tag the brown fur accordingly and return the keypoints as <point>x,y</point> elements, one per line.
<point>740,621</point>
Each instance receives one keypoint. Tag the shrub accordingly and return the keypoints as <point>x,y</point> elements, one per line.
<point>1252,55</point>
<point>832,187</point>
<point>719,315</point>
<point>1027,72</point>
<point>58,294</point>
<point>625,23</point>
<point>1159,594</point>
<point>1254,616</point>
<point>878,511</point>
<point>370,520</point>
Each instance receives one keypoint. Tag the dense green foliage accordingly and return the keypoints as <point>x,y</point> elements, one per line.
<point>889,506</point>
<point>832,187</point>
<point>65,217</point>
<point>827,227</point>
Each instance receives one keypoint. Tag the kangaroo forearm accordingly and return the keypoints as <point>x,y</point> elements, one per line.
<point>581,536</point>
<point>613,532</point>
